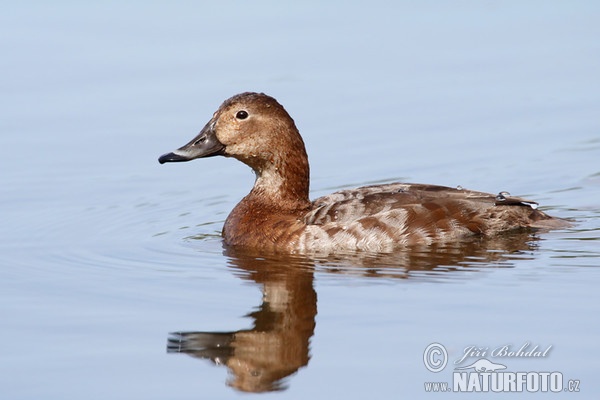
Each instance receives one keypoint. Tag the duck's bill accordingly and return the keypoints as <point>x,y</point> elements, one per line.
<point>173,157</point>
<point>205,144</point>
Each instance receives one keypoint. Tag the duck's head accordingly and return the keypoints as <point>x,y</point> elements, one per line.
<point>255,129</point>
<point>251,127</point>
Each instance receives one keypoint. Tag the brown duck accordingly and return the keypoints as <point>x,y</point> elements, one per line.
<point>278,215</point>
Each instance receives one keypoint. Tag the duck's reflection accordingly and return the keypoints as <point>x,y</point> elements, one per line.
<point>277,345</point>
<point>259,359</point>
<point>424,262</point>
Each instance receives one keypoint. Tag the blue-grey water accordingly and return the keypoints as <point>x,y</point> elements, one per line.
<point>114,282</point>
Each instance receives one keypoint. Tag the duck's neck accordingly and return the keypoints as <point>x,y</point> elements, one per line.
<point>282,183</point>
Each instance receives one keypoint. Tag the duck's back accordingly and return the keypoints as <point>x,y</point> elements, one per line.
<point>384,217</point>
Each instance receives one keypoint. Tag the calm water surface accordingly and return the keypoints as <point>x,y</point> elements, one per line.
<point>113,277</point>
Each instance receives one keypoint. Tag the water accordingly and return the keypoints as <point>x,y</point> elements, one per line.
<point>107,258</point>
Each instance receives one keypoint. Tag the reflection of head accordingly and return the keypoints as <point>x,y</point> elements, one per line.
<point>259,358</point>
<point>255,378</point>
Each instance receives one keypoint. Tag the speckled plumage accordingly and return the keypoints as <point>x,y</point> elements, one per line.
<point>277,214</point>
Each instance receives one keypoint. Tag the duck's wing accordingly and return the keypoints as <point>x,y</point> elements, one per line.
<point>420,214</point>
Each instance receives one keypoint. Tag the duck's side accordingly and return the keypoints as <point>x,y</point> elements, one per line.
<point>277,214</point>
<point>383,218</point>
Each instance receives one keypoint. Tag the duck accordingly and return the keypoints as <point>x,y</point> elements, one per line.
<point>278,215</point>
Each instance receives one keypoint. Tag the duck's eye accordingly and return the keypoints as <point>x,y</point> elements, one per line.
<point>241,115</point>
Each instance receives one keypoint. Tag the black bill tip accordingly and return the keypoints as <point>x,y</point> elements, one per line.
<point>172,157</point>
